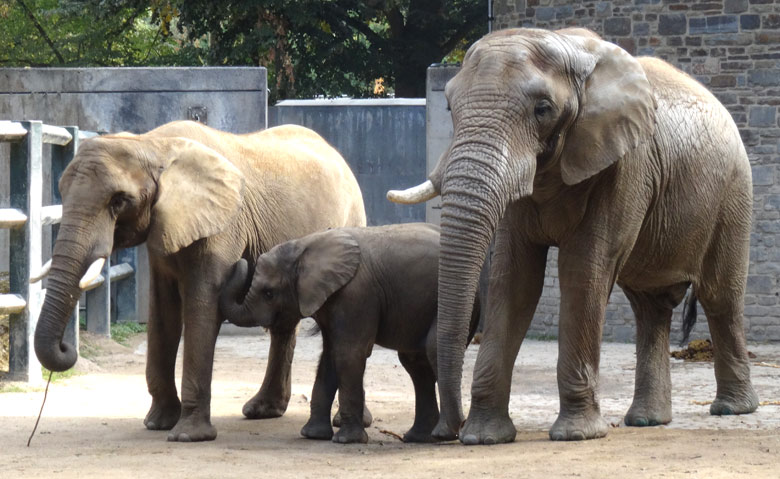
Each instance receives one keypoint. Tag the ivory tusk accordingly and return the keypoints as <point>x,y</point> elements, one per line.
<point>92,272</point>
<point>416,194</point>
<point>42,273</point>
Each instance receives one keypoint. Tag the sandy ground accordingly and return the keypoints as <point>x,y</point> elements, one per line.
<point>92,424</point>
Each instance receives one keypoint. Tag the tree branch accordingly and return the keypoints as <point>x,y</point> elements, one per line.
<point>41,30</point>
<point>461,32</point>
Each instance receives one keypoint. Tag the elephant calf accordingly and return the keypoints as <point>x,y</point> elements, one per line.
<point>362,286</point>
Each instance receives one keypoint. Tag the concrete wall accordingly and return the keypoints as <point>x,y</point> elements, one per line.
<point>127,99</point>
<point>382,140</point>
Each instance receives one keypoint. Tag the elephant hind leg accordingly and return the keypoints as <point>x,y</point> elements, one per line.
<point>652,404</point>
<point>721,293</point>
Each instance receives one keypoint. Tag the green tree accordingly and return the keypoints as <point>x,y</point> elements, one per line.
<point>91,33</point>
<point>328,47</point>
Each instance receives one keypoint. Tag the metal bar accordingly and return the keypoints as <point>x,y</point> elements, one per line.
<point>25,251</point>
<point>56,135</point>
<point>61,156</point>
<point>11,303</point>
<point>99,304</point>
<point>12,218</point>
<point>12,131</point>
<point>123,293</point>
<point>51,215</point>
<point>83,135</point>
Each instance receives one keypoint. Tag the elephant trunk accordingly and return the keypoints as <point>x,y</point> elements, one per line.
<point>232,306</point>
<point>477,187</point>
<point>69,262</point>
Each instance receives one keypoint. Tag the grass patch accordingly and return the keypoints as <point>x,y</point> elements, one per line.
<point>58,376</point>
<point>121,332</point>
<point>11,388</point>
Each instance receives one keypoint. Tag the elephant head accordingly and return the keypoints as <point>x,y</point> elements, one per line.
<point>291,281</point>
<point>533,111</point>
<point>120,191</point>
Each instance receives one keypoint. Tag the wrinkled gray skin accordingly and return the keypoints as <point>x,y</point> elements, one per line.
<point>200,199</point>
<point>636,173</point>
<point>363,286</point>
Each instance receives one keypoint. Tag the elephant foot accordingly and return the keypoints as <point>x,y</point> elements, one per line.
<point>579,426</point>
<point>643,416</point>
<point>367,418</point>
<point>350,434</point>
<point>743,400</point>
<point>317,430</point>
<point>444,431</point>
<point>418,435</point>
<point>190,429</point>
<point>261,407</point>
<point>161,416</point>
<point>487,426</point>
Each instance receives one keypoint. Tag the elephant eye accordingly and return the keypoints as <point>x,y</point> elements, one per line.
<point>117,203</point>
<point>268,293</point>
<point>543,108</point>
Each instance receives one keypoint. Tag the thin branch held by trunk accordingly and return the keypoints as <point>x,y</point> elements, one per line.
<point>38,26</point>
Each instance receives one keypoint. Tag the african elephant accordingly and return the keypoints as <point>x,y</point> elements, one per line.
<point>200,199</point>
<point>363,286</point>
<point>635,172</point>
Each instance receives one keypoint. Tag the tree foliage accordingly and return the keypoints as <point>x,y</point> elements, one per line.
<point>310,47</point>
<point>91,33</point>
<point>329,47</point>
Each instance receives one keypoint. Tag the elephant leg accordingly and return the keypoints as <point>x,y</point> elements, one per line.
<point>721,292</point>
<point>516,281</point>
<point>652,403</point>
<point>587,274</point>
<point>426,411</point>
<point>201,326</point>
<point>325,385</point>
<point>274,394</point>
<point>368,418</point>
<point>163,335</point>
<point>349,361</point>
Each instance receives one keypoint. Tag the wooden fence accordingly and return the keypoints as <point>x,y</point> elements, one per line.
<point>26,218</point>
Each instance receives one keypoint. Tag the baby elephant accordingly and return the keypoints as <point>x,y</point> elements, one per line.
<point>363,286</point>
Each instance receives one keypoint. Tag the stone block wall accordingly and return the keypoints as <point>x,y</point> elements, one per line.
<point>733,48</point>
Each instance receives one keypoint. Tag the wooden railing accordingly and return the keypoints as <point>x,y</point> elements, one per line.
<point>25,218</point>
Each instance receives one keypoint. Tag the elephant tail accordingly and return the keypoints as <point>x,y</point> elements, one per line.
<point>689,316</point>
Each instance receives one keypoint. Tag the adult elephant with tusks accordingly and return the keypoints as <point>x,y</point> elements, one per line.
<point>201,199</point>
<point>635,172</point>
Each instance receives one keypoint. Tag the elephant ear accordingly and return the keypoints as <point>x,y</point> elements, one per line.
<point>329,261</point>
<point>616,110</point>
<point>199,193</point>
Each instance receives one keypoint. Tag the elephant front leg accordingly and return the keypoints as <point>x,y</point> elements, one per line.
<point>516,283</point>
<point>325,385</point>
<point>163,335</point>
<point>426,411</point>
<point>586,281</point>
<point>201,326</point>
<point>349,362</point>
<point>274,395</point>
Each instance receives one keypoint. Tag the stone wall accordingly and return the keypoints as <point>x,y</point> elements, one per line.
<point>732,47</point>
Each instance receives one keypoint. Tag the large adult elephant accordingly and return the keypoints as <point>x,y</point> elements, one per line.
<point>201,199</point>
<point>635,172</point>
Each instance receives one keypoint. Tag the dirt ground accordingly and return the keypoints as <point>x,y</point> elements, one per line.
<point>92,423</point>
